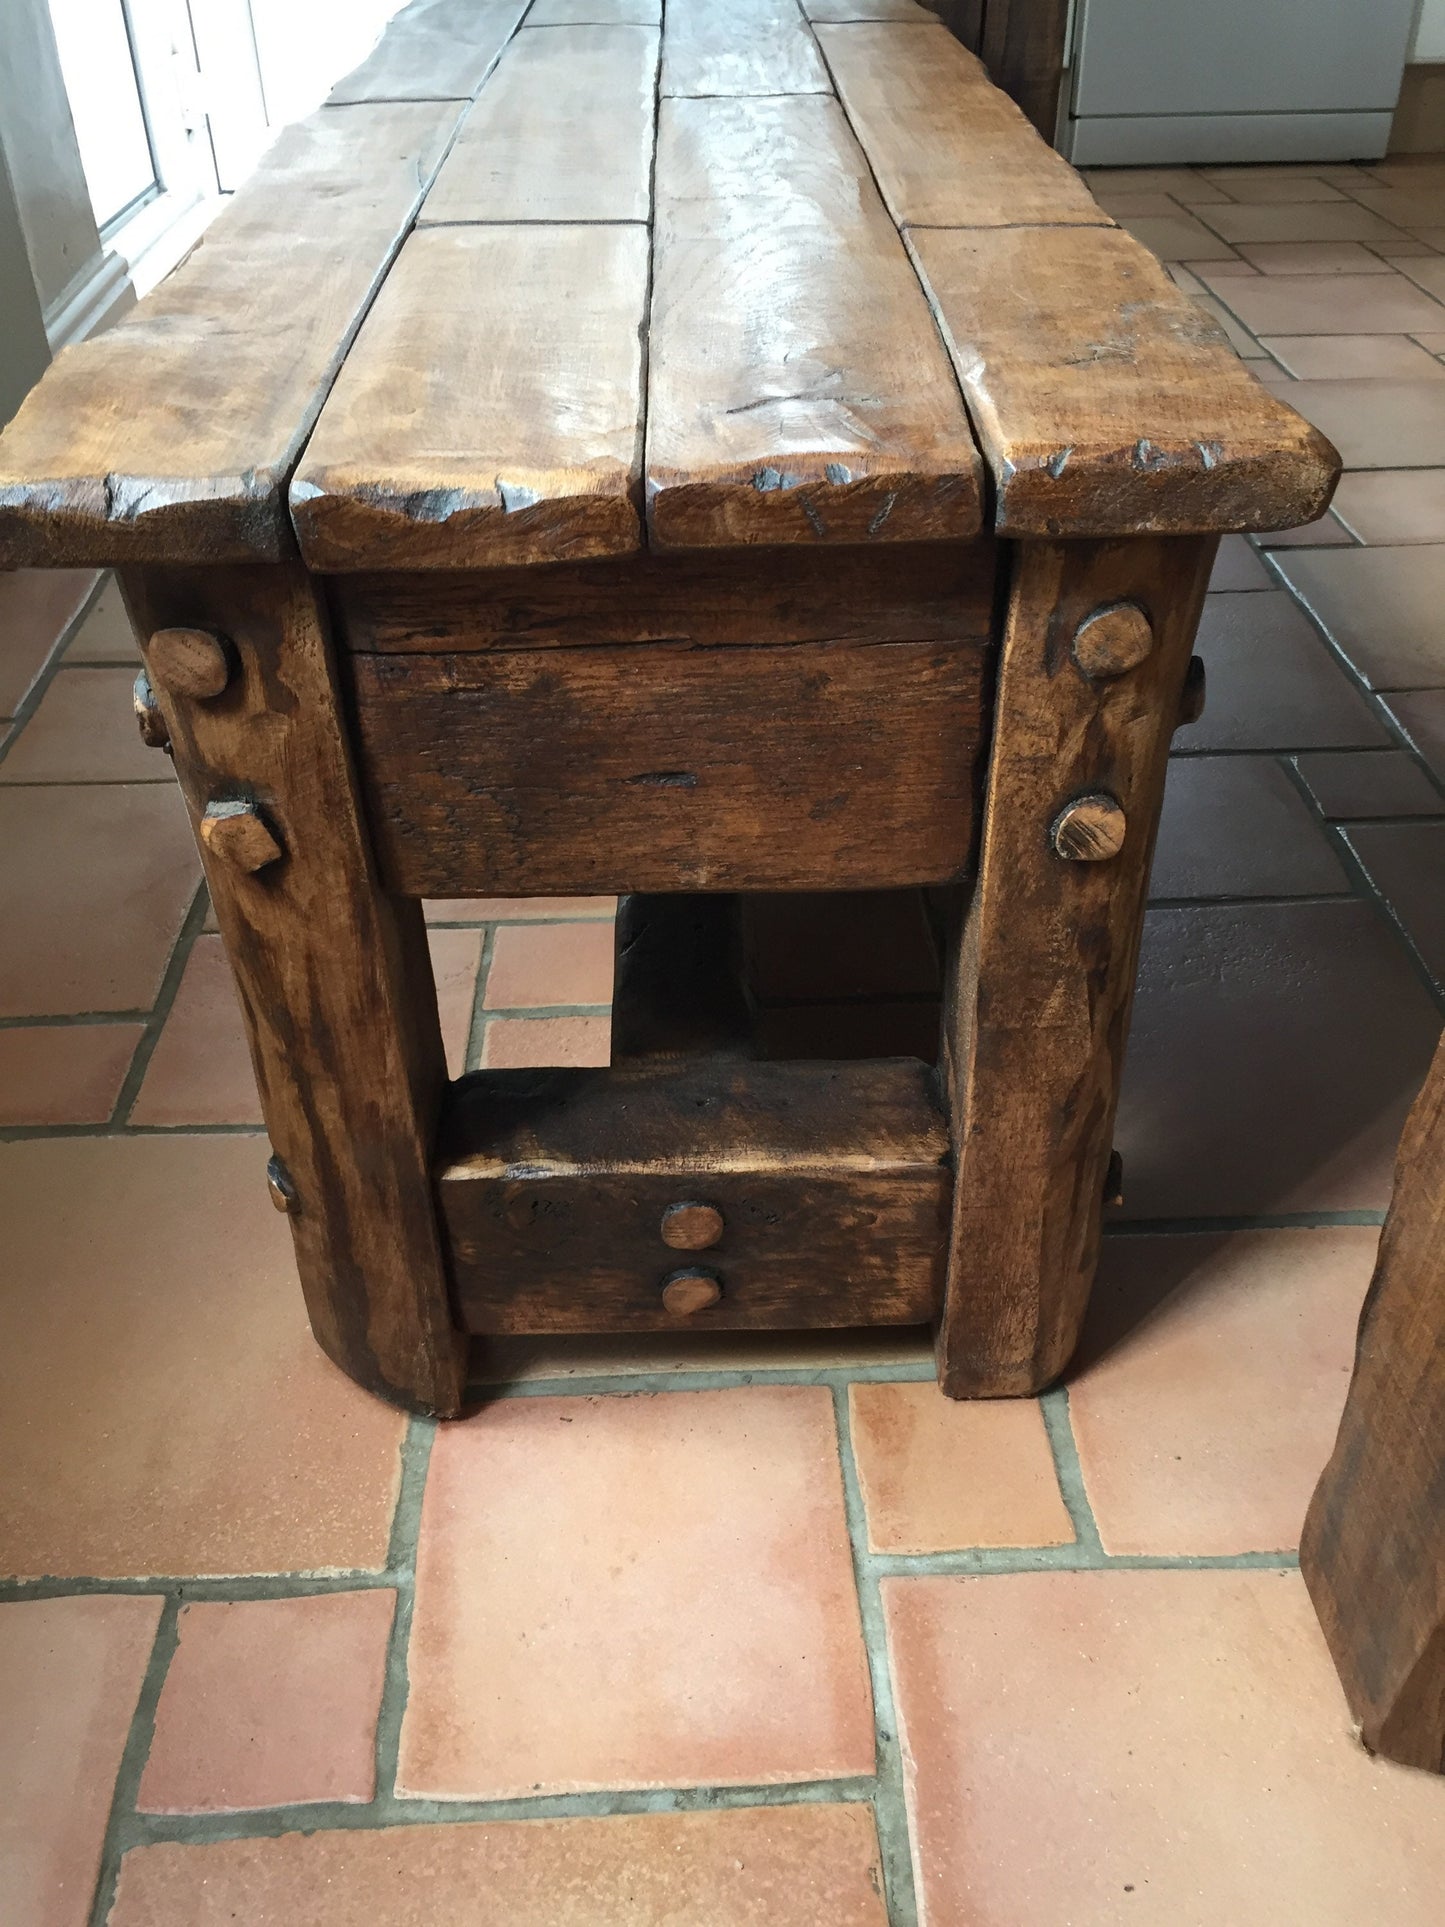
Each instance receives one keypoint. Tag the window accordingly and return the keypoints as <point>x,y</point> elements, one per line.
<point>98,61</point>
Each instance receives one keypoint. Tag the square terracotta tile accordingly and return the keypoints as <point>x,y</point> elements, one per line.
<point>105,636</point>
<point>1236,826</point>
<point>1272,682</point>
<point>576,1620</point>
<point>1152,180</point>
<point>1274,1052</point>
<point>1348,784</point>
<point>84,731</point>
<point>1312,257</point>
<point>70,1676</point>
<point>1348,357</point>
<point>1169,1748</point>
<point>64,1073</point>
<point>1376,424</point>
<point>511,1361</point>
<point>516,909</point>
<point>1381,608</point>
<point>796,1866</point>
<point>1323,533</point>
<point>1420,713</point>
<point>1208,1388</point>
<point>94,886</point>
<point>1406,864</point>
<point>270,1702</point>
<point>35,607</point>
<point>1325,304</point>
<point>1393,506</point>
<point>1238,567</point>
<point>163,1407</point>
<point>519,1043</point>
<point>940,1474</point>
<point>1336,220</point>
<point>1273,185</point>
<point>1177,237</point>
<point>559,964</point>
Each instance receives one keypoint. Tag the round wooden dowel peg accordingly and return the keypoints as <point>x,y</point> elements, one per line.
<point>1091,829</point>
<point>238,834</point>
<point>1191,698</point>
<point>198,663</point>
<point>686,1292</point>
<point>691,1227</point>
<point>282,1186</point>
<point>1113,640</point>
<point>149,720</point>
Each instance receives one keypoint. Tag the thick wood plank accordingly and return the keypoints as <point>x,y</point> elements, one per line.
<point>585,771</point>
<point>490,412</point>
<point>830,1179</point>
<point>1023,48</point>
<point>739,47</point>
<point>926,592</point>
<point>948,149</point>
<point>1105,401</point>
<point>434,50</point>
<point>334,980</point>
<point>1373,1550</point>
<point>1043,980</point>
<point>797,388</point>
<point>591,13</point>
<point>843,10</point>
<point>170,437</point>
<point>563,132</point>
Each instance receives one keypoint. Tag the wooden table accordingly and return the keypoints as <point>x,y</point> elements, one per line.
<point>720,465</point>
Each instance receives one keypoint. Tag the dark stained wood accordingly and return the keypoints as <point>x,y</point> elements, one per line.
<point>334,981</point>
<point>677,982</point>
<point>831,1178</point>
<point>909,592</point>
<point>1044,980</point>
<point>797,389</point>
<point>574,772</point>
<point>171,436</point>
<point>1105,401</point>
<point>191,662</point>
<point>449,439</point>
<point>1023,48</point>
<point>963,19</point>
<point>1373,1550</point>
<point>739,47</point>
<point>1192,697</point>
<point>948,149</point>
<point>434,50</point>
<point>562,132</point>
<point>149,720</point>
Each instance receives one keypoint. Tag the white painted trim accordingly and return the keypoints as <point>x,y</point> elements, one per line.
<point>98,294</point>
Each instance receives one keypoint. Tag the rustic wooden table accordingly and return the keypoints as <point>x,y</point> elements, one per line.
<point>719,465</point>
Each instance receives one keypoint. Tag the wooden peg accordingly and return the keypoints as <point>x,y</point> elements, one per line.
<point>1113,640</point>
<point>1191,700</point>
<point>152,725</point>
<point>282,1186</point>
<point>1091,829</point>
<point>238,834</point>
<point>198,663</point>
<point>691,1227</point>
<point>686,1292</point>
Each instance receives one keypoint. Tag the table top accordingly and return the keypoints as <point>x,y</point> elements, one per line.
<point>549,283</point>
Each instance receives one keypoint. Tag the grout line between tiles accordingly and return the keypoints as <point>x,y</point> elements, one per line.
<point>45,675</point>
<point>890,1807</point>
<point>477,1023</point>
<point>191,925</point>
<point>1054,1406</point>
<point>416,1452</point>
<point>133,1762</point>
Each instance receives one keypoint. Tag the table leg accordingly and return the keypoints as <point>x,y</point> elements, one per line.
<point>333,973</point>
<point>1095,654</point>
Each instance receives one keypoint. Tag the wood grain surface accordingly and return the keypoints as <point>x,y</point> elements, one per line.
<point>826,766</point>
<point>582,13</point>
<point>1038,1007</point>
<point>797,388</point>
<point>906,10</point>
<point>433,50</point>
<point>830,1179</point>
<point>333,976</point>
<point>170,437</point>
<point>947,147</point>
<point>739,47</point>
<point>1105,401</point>
<point>1373,1549</point>
<point>562,132</point>
<point>491,410</point>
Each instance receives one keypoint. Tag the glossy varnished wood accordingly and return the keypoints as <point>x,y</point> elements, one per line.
<point>171,436</point>
<point>715,47</point>
<point>579,771</point>
<point>797,389</point>
<point>434,50</point>
<point>491,410</point>
<point>333,976</point>
<point>1106,402</point>
<point>1046,953</point>
<point>1373,1549</point>
<point>948,148</point>
<point>830,1179</point>
<point>562,132</point>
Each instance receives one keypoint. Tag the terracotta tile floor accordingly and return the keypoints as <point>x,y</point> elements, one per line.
<point>727,1631</point>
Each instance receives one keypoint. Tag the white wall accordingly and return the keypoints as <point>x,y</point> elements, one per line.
<point>1430,32</point>
<point>305,46</point>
